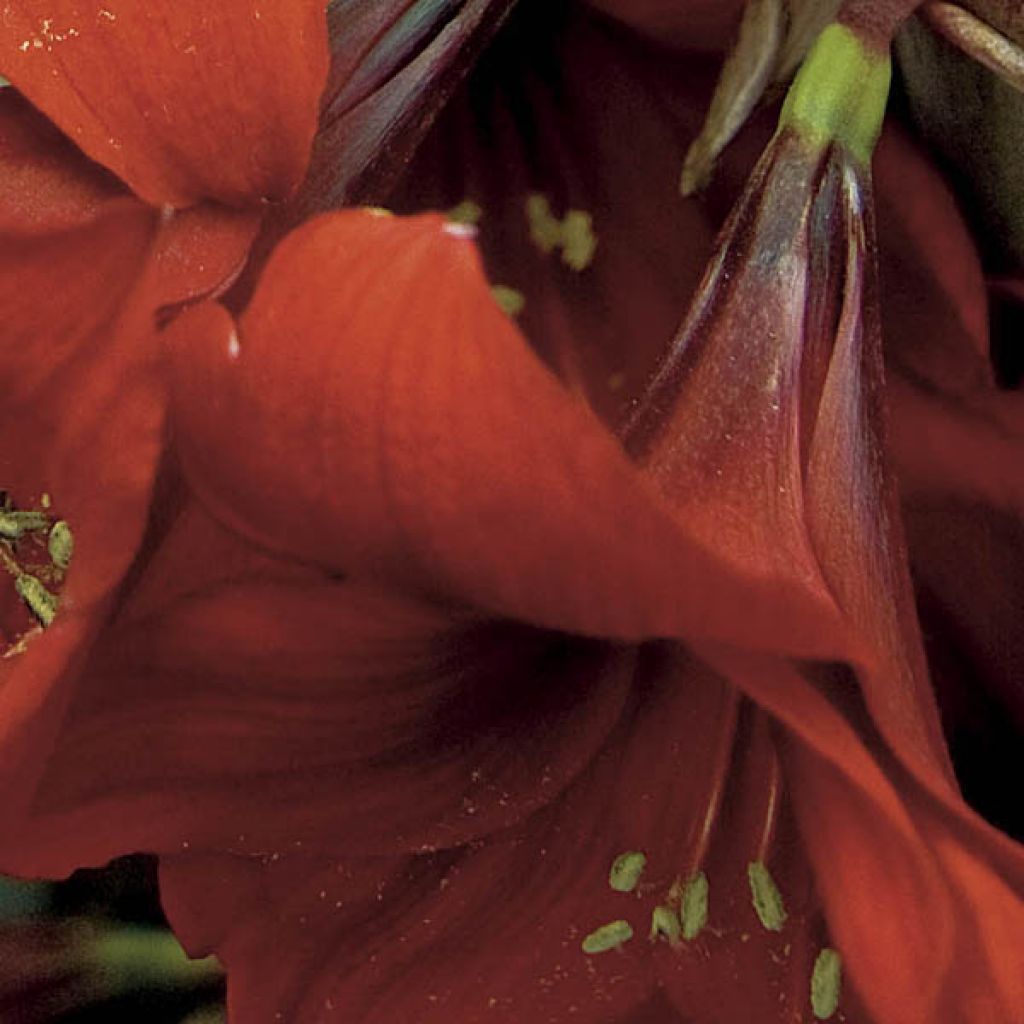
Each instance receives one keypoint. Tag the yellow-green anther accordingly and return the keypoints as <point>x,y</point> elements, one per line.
<point>665,922</point>
<point>839,93</point>
<point>693,907</point>
<point>545,228</point>
<point>41,603</point>
<point>608,936</point>
<point>626,870</point>
<point>508,299</point>
<point>467,212</point>
<point>61,544</point>
<point>15,524</point>
<point>825,983</point>
<point>578,241</point>
<point>766,896</point>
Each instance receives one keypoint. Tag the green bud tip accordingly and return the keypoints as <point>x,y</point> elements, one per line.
<point>839,93</point>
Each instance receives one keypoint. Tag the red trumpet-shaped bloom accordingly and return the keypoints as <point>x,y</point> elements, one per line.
<point>438,706</point>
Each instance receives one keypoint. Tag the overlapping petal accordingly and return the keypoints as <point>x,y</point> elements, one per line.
<point>183,102</point>
<point>81,422</point>
<point>376,378</point>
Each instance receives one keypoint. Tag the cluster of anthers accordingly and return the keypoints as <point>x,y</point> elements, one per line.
<point>35,551</point>
<point>683,914</point>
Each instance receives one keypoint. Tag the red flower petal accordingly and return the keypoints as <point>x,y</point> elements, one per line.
<point>81,421</point>
<point>183,102</point>
<point>376,379</point>
<point>45,183</point>
<point>693,24</point>
<point>492,930</point>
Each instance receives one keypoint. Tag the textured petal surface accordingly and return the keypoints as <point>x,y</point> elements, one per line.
<point>183,102</point>
<point>492,930</point>
<point>81,422</point>
<point>377,378</point>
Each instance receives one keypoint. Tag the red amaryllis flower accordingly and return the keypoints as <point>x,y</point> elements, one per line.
<point>176,105</point>
<point>353,702</point>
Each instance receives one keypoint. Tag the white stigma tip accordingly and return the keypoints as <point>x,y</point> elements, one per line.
<point>234,348</point>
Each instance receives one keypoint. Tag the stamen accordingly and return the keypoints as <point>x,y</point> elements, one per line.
<point>826,982</point>
<point>61,544</point>
<point>766,897</point>
<point>693,909</point>
<point>545,229</point>
<point>574,235</point>
<point>510,301</point>
<point>41,603</point>
<point>626,870</point>
<point>15,524</point>
<point>665,922</point>
<point>578,241</point>
<point>608,936</point>
<point>467,212</point>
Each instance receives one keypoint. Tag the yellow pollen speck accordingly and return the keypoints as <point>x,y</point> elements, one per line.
<point>766,896</point>
<point>377,211</point>
<point>467,212</point>
<point>608,936</point>
<point>626,870</point>
<point>41,603</point>
<point>693,909</point>
<point>511,301</point>
<point>826,982</point>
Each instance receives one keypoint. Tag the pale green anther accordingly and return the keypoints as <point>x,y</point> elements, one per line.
<point>626,870</point>
<point>665,922</point>
<point>766,896</point>
<point>15,524</point>
<point>839,93</point>
<point>41,603</point>
<point>545,228</point>
<point>693,907</point>
<point>578,241</point>
<point>825,983</point>
<point>61,544</point>
<point>467,212</point>
<point>608,936</point>
<point>508,299</point>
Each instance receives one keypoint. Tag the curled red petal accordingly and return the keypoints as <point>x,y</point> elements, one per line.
<point>396,424</point>
<point>183,102</point>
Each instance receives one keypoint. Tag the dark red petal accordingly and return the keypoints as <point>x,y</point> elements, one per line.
<point>183,102</point>
<point>374,724</point>
<point>399,426</point>
<point>491,930</point>
<point>81,422</point>
<point>687,24</point>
